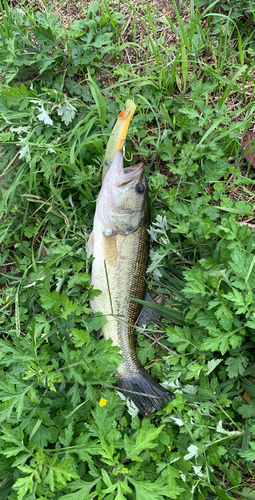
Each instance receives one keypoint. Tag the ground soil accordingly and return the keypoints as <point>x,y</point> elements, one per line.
<point>70,10</point>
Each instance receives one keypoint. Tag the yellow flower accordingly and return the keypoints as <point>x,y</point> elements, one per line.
<point>102,402</point>
<point>169,447</point>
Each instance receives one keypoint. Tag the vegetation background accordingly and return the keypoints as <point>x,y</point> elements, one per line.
<point>65,433</point>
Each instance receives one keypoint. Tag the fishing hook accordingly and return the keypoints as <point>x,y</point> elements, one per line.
<point>123,149</point>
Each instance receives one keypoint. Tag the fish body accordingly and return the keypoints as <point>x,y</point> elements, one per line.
<point>120,243</point>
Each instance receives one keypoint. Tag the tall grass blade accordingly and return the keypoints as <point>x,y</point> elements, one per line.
<point>231,84</point>
<point>99,100</point>
<point>165,311</point>
<point>184,68</point>
<point>6,18</point>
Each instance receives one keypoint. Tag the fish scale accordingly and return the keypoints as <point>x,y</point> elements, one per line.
<point>126,280</point>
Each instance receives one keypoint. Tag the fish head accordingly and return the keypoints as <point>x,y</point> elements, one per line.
<point>123,202</point>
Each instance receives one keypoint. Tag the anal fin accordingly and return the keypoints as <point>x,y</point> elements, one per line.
<point>148,315</point>
<point>98,334</point>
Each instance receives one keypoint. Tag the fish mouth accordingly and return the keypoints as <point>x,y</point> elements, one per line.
<point>129,175</point>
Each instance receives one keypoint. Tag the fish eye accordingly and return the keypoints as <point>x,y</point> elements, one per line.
<point>139,188</point>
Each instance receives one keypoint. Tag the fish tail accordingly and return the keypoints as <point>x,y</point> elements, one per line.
<point>144,391</point>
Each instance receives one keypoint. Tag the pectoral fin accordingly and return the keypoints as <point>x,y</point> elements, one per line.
<point>90,245</point>
<point>148,315</point>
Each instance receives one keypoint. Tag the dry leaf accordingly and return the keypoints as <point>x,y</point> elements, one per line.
<point>248,145</point>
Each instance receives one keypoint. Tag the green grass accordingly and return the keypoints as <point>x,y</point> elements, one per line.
<point>191,75</point>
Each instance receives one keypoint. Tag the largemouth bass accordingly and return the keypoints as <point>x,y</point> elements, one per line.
<point>119,243</point>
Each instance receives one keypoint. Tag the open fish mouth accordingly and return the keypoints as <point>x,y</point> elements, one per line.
<point>127,176</point>
<point>133,169</point>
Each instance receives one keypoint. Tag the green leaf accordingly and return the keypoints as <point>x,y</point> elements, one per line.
<point>99,100</point>
<point>106,478</point>
<point>43,35</point>
<point>81,490</point>
<point>145,438</point>
<point>22,485</point>
<point>164,438</point>
<point>68,306</point>
<point>59,472</point>
<point>236,366</point>
<point>146,490</point>
<point>67,112</point>
<point>195,282</point>
<point>102,39</point>
<point>240,262</point>
<point>221,341</point>
<point>145,351</point>
<point>96,321</point>
<point>79,336</point>
<point>248,453</point>
<point>247,411</point>
<point>222,493</point>
<point>50,300</point>
<point>179,336</point>
<point>35,428</point>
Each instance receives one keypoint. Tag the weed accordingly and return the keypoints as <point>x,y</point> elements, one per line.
<point>65,433</point>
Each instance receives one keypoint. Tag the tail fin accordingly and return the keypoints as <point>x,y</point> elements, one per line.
<point>144,391</point>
